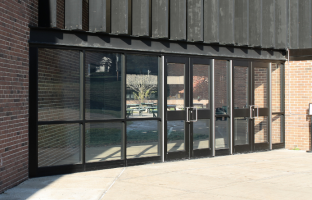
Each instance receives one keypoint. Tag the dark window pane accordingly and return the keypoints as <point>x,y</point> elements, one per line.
<point>175,86</point>
<point>142,139</point>
<point>261,84</point>
<point>277,129</point>
<point>241,134</point>
<point>201,86</point>
<point>103,86</point>
<point>142,86</point>
<point>103,141</point>
<point>222,132</point>
<point>59,144</point>
<point>240,87</point>
<point>221,87</point>
<point>58,85</point>
<point>201,134</point>
<point>276,87</point>
<point>261,129</point>
<point>175,136</point>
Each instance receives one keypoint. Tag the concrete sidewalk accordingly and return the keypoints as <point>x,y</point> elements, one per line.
<point>280,174</point>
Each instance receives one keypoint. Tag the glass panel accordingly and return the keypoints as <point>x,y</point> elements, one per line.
<point>59,145</point>
<point>103,86</point>
<point>222,132</point>
<point>58,85</point>
<point>201,86</point>
<point>221,87</point>
<point>240,87</point>
<point>241,134</point>
<point>175,86</point>
<point>142,139</point>
<point>142,86</point>
<point>276,88</point>
<point>277,130</point>
<point>103,141</point>
<point>175,136</point>
<point>201,134</point>
<point>261,85</point>
<point>261,129</point>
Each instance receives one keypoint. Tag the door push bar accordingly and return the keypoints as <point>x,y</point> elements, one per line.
<point>187,115</point>
<point>250,110</point>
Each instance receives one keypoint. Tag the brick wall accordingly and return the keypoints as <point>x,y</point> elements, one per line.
<point>15,17</point>
<point>297,98</point>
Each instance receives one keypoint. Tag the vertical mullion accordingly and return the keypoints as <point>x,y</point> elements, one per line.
<point>33,112</point>
<point>161,101</point>
<point>82,109</point>
<point>124,107</point>
<point>191,105</point>
<point>269,102</point>
<point>230,86</point>
<point>213,112</point>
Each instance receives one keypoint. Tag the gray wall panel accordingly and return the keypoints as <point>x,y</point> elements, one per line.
<point>293,24</point>
<point>160,19</point>
<point>255,22</point>
<point>211,21</point>
<point>226,22</point>
<point>281,28</point>
<point>119,17</point>
<point>241,22</point>
<point>97,15</point>
<point>304,24</point>
<point>73,14</point>
<point>178,19</point>
<point>52,5</point>
<point>195,20</point>
<point>140,17</point>
<point>268,23</point>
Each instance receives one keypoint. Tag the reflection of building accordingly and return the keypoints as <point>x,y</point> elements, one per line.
<point>53,87</point>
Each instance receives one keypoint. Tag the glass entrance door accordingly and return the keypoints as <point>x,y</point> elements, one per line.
<point>250,110</point>
<point>187,107</point>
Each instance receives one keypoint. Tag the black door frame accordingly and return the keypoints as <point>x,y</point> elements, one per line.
<point>181,115</point>
<point>252,146</point>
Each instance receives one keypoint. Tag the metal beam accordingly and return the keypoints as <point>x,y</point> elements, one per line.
<point>255,23</point>
<point>97,15</point>
<point>241,22</point>
<point>178,19</point>
<point>73,14</point>
<point>160,19</point>
<point>211,21</point>
<point>281,28</point>
<point>226,21</point>
<point>140,17</point>
<point>294,24</point>
<point>268,23</point>
<point>195,20</point>
<point>125,43</point>
<point>119,17</point>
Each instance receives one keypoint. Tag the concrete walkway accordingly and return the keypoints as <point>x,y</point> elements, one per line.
<point>280,174</point>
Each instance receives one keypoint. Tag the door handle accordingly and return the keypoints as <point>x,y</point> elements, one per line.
<point>257,111</point>
<point>187,115</point>
<point>250,112</point>
<point>195,115</point>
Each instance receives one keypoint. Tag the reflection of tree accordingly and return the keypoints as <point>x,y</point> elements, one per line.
<point>143,85</point>
<point>200,87</point>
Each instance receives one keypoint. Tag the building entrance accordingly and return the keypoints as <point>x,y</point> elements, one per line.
<point>251,106</point>
<point>187,107</point>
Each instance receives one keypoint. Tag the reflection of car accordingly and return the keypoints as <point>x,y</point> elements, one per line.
<point>220,111</point>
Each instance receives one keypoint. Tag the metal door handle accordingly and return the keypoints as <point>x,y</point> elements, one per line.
<point>187,115</point>
<point>250,112</point>
<point>196,115</point>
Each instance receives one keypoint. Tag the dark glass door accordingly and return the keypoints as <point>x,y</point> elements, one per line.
<point>187,103</point>
<point>250,110</point>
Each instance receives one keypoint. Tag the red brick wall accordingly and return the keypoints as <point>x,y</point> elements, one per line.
<point>297,98</point>
<point>15,17</point>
